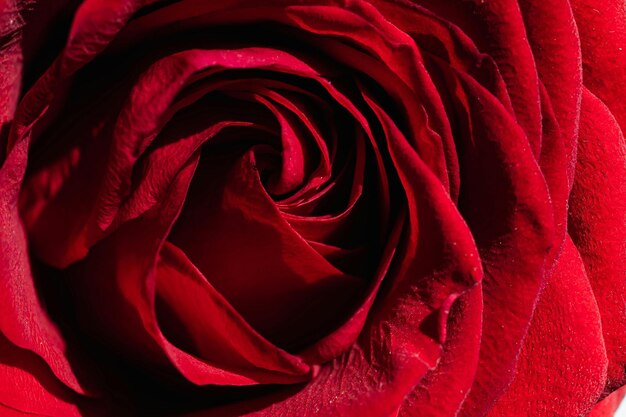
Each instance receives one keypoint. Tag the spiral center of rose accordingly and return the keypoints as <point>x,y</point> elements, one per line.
<point>282,213</point>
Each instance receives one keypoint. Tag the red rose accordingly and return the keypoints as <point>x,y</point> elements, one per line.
<point>312,208</point>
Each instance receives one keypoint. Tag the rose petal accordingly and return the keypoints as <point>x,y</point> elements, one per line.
<point>497,28</point>
<point>608,406</point>
<point>121,268</point>
<point>235,234</point>
<point>562,367</point>
<point>95,24</point>
<point>555,167</point>
<point>28,385</point>
<point>553,37</point>
<point>504,199</point>
<point>597,223</point>
<point>11,64</point>
<point>23,319</point>
<point>214,328</point>
<point>444,389</point>
<point>603,42</point>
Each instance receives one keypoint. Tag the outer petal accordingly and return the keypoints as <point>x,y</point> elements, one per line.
<point>562,368</point>
<point>597,213</point>
<point>28,385</point>
<point>608,406</point>
<point>597,223</point>
<point>95,24</point>
<point>22,318</point>
<point>23,321</point>
<point>602,29</point>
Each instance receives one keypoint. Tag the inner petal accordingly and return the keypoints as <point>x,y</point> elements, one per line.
<point>234,233</point>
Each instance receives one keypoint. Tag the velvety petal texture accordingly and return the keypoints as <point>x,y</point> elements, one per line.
<point>291,208</point>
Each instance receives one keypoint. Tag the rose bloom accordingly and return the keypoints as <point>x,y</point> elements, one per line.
<point>362,208</point>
